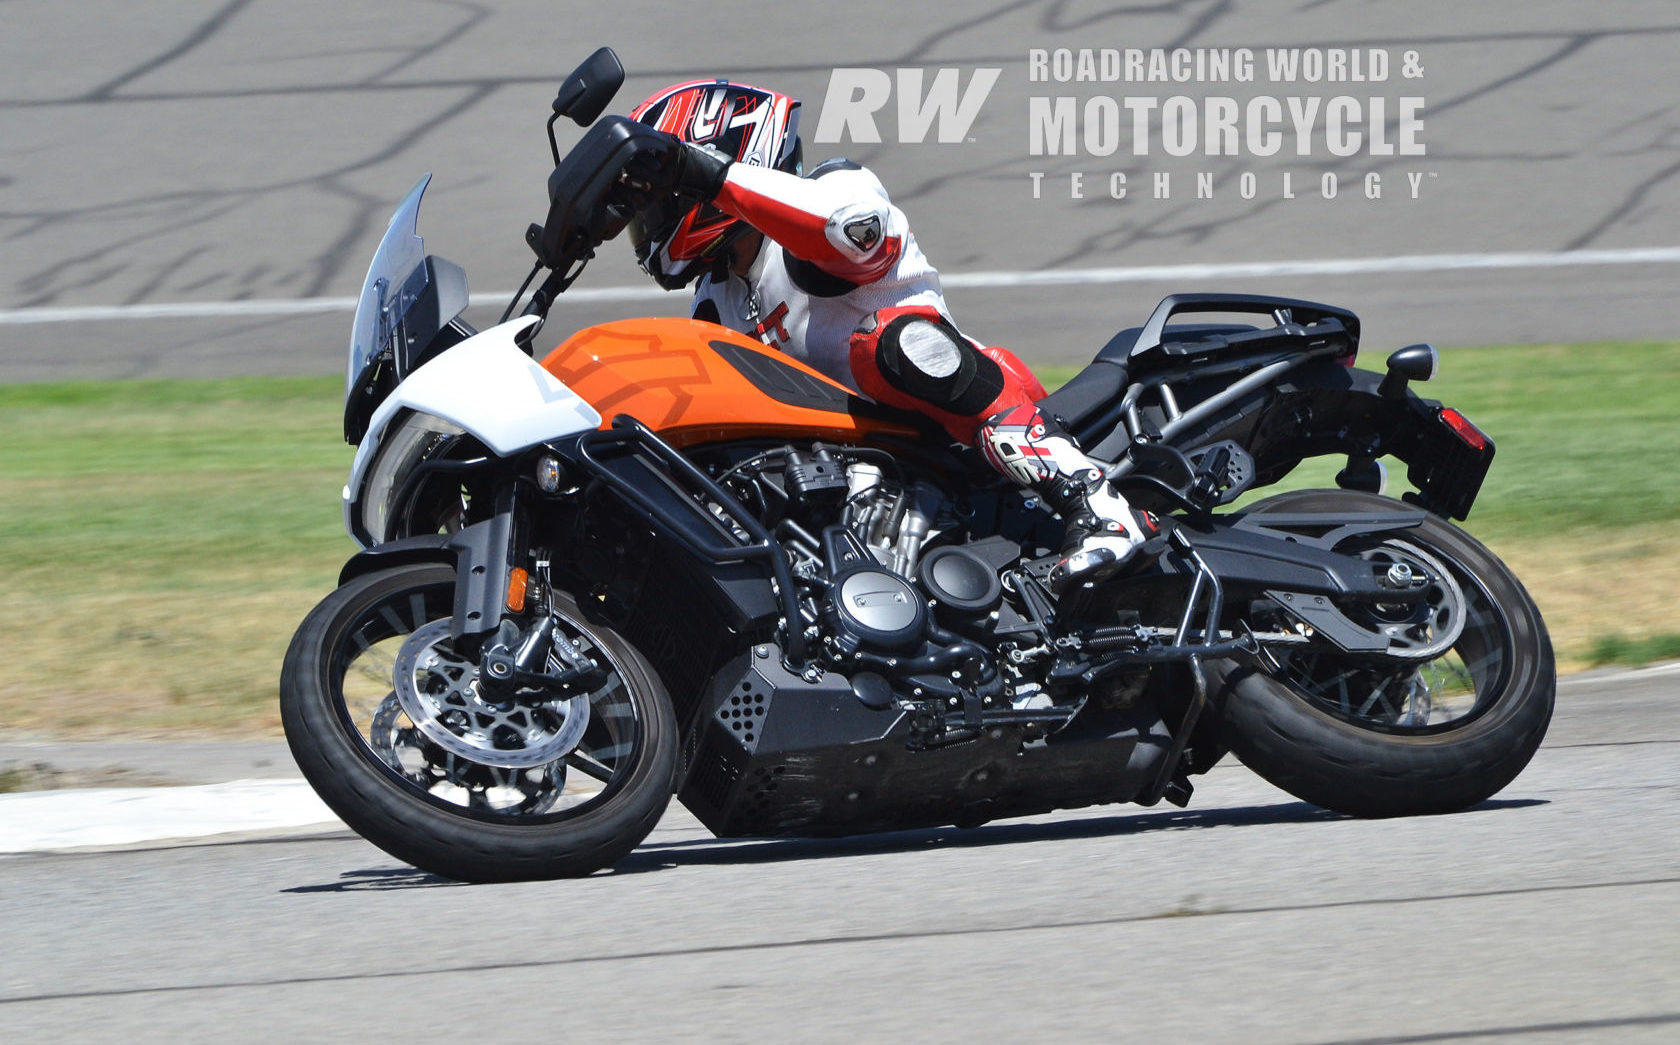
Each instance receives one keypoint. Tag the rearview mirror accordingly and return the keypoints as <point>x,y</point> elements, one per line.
<point>585,93</point>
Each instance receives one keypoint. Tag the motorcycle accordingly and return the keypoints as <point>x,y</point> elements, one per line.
<point>666,560</point>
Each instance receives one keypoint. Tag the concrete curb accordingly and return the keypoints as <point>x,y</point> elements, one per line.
<point>38,821</point>
<point>243,789</point>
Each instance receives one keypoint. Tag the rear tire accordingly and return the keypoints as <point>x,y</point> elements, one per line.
<point>439,816</point>
<point>1365,766</point>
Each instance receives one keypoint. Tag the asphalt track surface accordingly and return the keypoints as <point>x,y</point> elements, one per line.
<point>1546,915</point>
<point>251,150</point>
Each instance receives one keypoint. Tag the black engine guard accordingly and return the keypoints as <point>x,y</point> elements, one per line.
<point>770,753</point>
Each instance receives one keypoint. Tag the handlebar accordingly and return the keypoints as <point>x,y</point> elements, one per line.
<point>588,203</point>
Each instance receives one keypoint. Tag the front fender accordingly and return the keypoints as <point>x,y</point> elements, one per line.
<point>479,554</point>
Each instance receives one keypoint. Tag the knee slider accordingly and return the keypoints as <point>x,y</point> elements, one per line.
<point>921,354</point>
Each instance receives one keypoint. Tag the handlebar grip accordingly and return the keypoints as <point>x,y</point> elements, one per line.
<point>586,198</point>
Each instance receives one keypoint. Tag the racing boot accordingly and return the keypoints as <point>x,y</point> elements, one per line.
<point>1105,535</point>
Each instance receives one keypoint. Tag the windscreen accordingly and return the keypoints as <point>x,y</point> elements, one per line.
<point>394,282</point>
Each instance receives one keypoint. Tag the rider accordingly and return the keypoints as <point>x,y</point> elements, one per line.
<point>826,269</point>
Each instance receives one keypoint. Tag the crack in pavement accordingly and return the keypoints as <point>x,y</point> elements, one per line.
<point>1562,1027</point>
<point>1573,37</point>
<point>828,941</point>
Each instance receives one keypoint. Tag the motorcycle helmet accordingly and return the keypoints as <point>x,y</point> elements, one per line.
<point>676,239</point>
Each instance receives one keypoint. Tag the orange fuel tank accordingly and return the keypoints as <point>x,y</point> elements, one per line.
<point>695,382</point>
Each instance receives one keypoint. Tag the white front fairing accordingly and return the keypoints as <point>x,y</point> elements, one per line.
<point>487,386</point>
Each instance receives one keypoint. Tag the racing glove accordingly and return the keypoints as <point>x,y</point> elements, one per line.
<point>691,171</point>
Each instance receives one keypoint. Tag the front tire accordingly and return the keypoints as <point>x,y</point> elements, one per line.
<point>1320,728</point>
<point>433,806</point>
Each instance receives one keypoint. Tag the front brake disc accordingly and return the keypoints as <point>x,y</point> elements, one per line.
<point>439,689</point>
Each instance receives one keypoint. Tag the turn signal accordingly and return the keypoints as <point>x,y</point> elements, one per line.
<point>551,475</point>
<point>1413,363</point>
<point>517,580</point>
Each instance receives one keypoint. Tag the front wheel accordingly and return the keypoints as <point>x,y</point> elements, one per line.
<point>392,728</point>
<point>1445,721</point>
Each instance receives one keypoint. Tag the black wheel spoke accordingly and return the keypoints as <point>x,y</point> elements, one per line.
<point>589,767</point>
<point>482,807</point>
<point>1425,685</point>
<point>1442,720</point>
<point>450,743</point>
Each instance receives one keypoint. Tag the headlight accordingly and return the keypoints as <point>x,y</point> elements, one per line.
<point>417,438</point>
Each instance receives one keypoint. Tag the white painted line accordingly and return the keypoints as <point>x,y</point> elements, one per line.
<point>1661,669</point>
<point>271,308</point>
<point>44,820</point>
<point>975,280</point>
<point>180,310</point>
<point>1319,267</point>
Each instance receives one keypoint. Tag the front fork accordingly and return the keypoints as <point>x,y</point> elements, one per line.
<point>490,558</point>
<point>492,582</point>
<point>500,605</point>
<point>482,574</point>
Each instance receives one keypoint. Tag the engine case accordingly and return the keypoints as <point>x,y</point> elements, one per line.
<point>773,754</point>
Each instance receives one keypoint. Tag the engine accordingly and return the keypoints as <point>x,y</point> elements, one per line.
<point>911,620</point>
<point>933,688</point>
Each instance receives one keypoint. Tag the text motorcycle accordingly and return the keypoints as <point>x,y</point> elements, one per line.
<point>667,560</point>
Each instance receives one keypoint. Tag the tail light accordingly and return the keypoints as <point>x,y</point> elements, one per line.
<point>1467,433</point>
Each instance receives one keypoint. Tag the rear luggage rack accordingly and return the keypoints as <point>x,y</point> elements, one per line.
<point>1298,325</point>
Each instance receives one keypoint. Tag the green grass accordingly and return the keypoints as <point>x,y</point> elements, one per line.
<point>1618,649</point>
<point>155,537</point>
<point>1586,436</point>
<point>159,540</point>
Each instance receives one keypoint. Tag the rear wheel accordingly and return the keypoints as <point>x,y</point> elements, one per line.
<point>1446,720</point>
<point>388,722</point>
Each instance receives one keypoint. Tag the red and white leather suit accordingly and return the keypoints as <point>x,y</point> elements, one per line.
<point>840,283</point>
